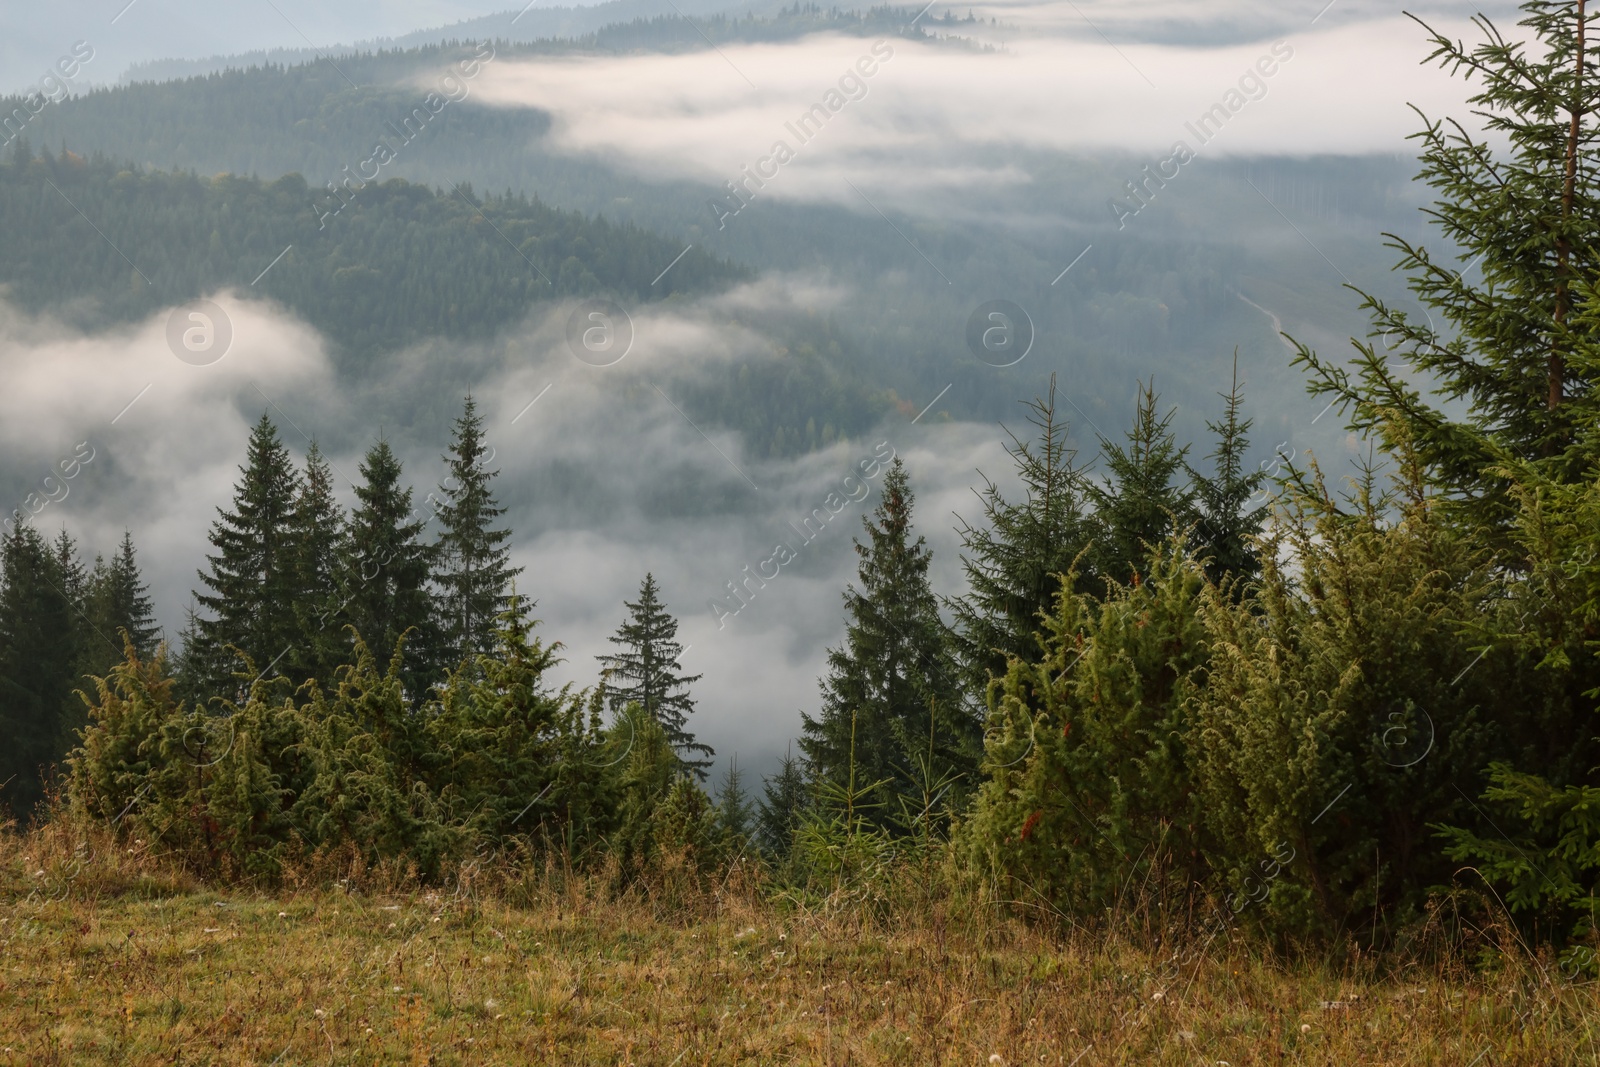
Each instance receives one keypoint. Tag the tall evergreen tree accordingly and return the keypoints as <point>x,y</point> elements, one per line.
<point>734,813</point>
<point>117,601</point>
<point>473,570</point>
<point>1227,523</point>
<point>316,529</point>
<point>1144,500</point>
<point>251,603</point>
<point>782,807</point>
<point>38,654</point>
<point>894,665</point>
<point>384,571</point>
<point>645,672</point>
<point>1014,558</point>
<point>1514,365</point>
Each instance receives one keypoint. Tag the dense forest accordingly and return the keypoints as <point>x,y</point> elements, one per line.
<point>377,267</point>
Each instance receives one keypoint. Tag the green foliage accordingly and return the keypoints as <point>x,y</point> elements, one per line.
<point>645,673</point>
<point>397,264</point>
<point>1141,503</point>
<point>39,650</point>
<point>663,816</point>
<point>1513,363</point>
<point>472,569</point>
<point>1014,559</point>
<point>383,577</point>
<point>1227,520</point>
<point>498,758</point>
<point>316,531</point>
<point>735,814</point>
<point>116,600</point>
<point>894,666</point>
<point>251,577</point>
<point>785,799</point>
<point>1550,870</point>
<point>1090,773</point>
<point>1346,708</point>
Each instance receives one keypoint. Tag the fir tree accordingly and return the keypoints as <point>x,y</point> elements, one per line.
<point>645,673</point>
<point>117,601</point>
<point>1014,560</point>
<point>1227,523</point>
<point>1513,361</point>
<point>474,575</point>
<point>1142,503</point>
<point>251,605</point>
<point>317,528</point>
<point>734,814</point>
<point>38,654</point>
<point>384,571</point>
<point>783,805</point>
<point>894,663</point>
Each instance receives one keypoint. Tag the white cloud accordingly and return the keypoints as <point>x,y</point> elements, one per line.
<point>937,117</point>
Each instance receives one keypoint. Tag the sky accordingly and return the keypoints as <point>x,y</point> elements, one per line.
<point>637,486</point>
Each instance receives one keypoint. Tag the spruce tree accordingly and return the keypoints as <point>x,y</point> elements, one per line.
<point>1144,500</point>
<point>895,664</point>
<point>251,578</point>
<point>1512,366</point>
<point>473,571</point>
<point>384,572</point>
<point>734,813</point>
<point>645,673</point>
<point>117,601</point>
<point>316,528</point>
<point>38,657</point>
<point>1227,523</point>
<point>782,807</point>
<point>1015,558</point>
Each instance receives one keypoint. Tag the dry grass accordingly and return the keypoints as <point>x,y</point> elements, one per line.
<point>108,957</point>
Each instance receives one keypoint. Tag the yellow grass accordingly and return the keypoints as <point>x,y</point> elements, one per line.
<point>107,958</point>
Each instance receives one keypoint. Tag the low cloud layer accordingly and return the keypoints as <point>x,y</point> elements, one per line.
<point>929,117</point>
<point>604,478</point>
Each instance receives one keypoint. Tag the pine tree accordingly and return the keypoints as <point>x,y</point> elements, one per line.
<point>117,601</point>
<point>316,528</point>
<point>251,605</point>
<point>1514,360</point>
<point>473,572</point>
<point>783,805</point>
<point>1226,521</point>
<point>734,814</point>
<point>645,673</point>
<point>38,655</point>
<point>895,661</point>
<point>1142,504</point>
<point>384,572</point>
<point>1014,560</point>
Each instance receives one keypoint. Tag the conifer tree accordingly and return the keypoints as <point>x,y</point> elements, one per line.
<point>384,571</point>
<point>734,814</point>
<point>473,571</point>
<point>38,639</point>
<point>1143,503</point>
<point>1227,522</point>
<point>645,673</point>
<point>251,578</point>
<point>317,528</point>
<point>782,807</point>
<point>1513,363</point>
<point>895,662</point>
<point>117,600</point>
<point>1013,560</point>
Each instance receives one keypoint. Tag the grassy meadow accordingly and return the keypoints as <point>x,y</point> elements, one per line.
<point>108,956</point>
